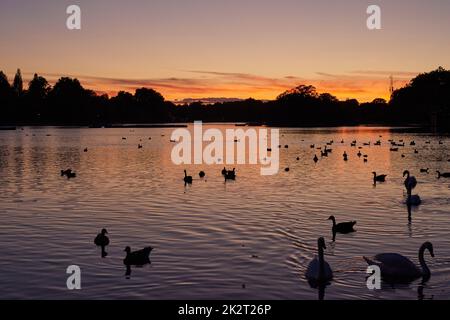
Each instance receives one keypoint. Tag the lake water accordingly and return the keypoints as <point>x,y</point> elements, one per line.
<point>247,239</point>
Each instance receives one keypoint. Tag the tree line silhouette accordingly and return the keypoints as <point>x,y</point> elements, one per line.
<point>424,101</point>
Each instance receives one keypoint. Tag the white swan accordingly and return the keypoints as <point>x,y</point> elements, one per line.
<point>319,271</point>
<point>397,268</point>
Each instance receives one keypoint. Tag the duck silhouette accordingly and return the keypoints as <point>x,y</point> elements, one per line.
<point>137,258</point>
<point>231,174</point>
<point>201,174</point>
<point>65,172</point>
<point>224,171</point>
<point>102,239</point>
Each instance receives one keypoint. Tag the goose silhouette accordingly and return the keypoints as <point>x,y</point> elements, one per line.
<point>424,170</point>
<point>443,175</point>
<point>187,179</point>
<point>397,268</point>
<point>224,171</point>
<point>343,227</point>
<point>201,174</point>
<point>137,258</point>
<point>319,271</point>
<point>380,178</point>
<point>315,158</point>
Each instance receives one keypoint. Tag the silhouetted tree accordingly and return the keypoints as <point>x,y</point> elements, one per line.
<point>18,83</point>
<point>425,98</point>
<point>7,100</point>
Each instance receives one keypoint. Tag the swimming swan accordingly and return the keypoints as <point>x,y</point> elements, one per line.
<point>319,271</point>
<point>397,268</point>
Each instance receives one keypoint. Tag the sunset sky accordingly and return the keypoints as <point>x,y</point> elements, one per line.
<point>232,48</point>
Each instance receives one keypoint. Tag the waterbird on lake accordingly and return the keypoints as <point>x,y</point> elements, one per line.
<point>85,149</point>
<point>380,178</point>
<point>319,271</point>
<point>137,258</point>
<point>230,175</point>
<point>365,160</point>
<point>312,146</point>
<point>410,181</point>
<point>66,172</point>
<point>315,158</point>
<point>187,179</point>
<point>415,151</point>
<point>224,171</point>
<point>286,146</point>
<point>359,154</point>
<point>424,170</point>
<point>403,156</point>
<point>413,143</point>
<point>140,146</point>
<point>443,175</point>
<point>201,174</point>
<point>343,227</point>
<point>396,268</point>
<point>102,239</point>
<point>394,149</point>
<point>413,200</point>
<point>287,169</point>
<point>71,175</point>
<point>298,158</point>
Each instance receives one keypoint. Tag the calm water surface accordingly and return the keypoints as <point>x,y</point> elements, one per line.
<point>212,238</point>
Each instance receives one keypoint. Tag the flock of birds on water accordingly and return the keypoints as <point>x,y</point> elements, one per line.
<point>394,267</point>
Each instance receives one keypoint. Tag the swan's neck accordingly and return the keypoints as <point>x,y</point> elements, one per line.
<point>321,263</point>
<point>425,270</point>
